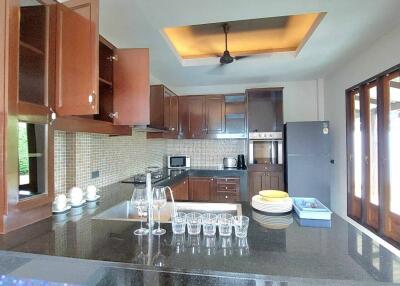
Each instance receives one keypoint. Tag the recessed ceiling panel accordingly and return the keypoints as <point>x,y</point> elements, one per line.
<point>253,36</point>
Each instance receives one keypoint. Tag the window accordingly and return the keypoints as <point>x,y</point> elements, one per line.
<point>394,144</point>
<point>31,159</point>
<point>373,154</point>
<point>357,135</point>
<point>373,145</point>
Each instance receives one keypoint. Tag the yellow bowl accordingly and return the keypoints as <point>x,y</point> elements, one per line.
<point>273,194</point>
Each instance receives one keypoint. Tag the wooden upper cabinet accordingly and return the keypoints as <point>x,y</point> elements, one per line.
<point>171,120</point>
<point>164,110</point>
<point>191,117</point>
<point>265,109</point>
<point>131,87</point>
<point>77,57</point>
<point>215,114</point>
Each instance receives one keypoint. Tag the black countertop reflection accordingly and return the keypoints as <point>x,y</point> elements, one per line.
<point>275,248</point>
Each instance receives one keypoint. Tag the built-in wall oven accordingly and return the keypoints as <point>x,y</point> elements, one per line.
<point>266,148</point>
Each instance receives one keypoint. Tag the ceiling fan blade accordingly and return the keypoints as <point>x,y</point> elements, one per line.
<point>218,69</point>
<point>241,57</point>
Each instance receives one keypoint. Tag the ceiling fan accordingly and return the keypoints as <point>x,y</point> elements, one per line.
<point>226,57</point>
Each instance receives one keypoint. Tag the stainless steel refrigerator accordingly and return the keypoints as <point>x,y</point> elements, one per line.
<point>307,164</point>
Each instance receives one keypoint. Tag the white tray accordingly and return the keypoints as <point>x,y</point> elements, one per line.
<point>321,212</point>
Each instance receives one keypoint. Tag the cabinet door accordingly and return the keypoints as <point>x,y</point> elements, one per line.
<point>256,183</point>
<point>200,188</point>
<point>191,117</point>
<point>273,181</point>
<point>77,57</point>
<point>181,190</point>
<point>170,112</point>
<point>215,114</point>
<point>173,115</point>
<point>131,87</point>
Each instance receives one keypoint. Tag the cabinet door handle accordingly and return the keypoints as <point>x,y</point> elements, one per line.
<point>113,58</point>
<point>172,129</point>
<point>92,98</point>
<point>113,115</point>
<point>53,116</point>
<point>226,197</point>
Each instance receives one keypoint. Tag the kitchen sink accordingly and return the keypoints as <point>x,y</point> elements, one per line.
<point>125,211</point>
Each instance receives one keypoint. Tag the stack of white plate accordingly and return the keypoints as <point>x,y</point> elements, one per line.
<point>273,221</point>
<point>281,206</point>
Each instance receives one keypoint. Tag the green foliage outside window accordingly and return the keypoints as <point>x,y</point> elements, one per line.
<point>23,155</point>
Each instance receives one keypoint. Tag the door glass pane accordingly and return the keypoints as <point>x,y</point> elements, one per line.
<point>394,143</point>
<point>357,146</point>
<point>31,159</point>
<point>373,145</point>
<point>32,52</point>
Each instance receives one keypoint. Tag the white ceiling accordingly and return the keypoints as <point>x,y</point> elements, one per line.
<point>348,27</point>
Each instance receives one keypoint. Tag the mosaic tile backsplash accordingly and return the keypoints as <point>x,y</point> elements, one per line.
<point>77,155</point>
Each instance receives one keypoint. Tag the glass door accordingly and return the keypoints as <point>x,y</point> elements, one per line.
<point>392,155</point>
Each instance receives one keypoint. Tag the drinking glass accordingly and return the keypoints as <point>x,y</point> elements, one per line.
<point>159,201</point>
<point>139,200</point>
<point>179,223</point>
<point>209,224</point>
<point>194,223</point>
<point>225,224</point>
<point>241,224</point>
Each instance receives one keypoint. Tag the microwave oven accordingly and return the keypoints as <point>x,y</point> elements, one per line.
<point>178,162</point>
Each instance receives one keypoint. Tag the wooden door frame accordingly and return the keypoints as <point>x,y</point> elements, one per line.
<point>354,205</point>
<point>371,213</point>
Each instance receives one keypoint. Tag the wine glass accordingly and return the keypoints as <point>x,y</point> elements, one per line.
<point>159,201</point>
<point>139,200</point>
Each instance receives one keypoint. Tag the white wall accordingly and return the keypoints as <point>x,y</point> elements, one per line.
<point>371,60</point>
<point>301,99</point>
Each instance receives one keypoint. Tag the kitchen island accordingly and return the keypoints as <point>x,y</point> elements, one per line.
<point>75,248</point>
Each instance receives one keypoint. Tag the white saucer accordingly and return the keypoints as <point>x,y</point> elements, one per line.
<point>94,199</point>
<point>67,208</point>
<point>78,205</point>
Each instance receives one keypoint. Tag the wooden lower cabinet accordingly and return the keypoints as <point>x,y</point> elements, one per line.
<point>180,190</point>
<point>214,189</point>
<point>200,188</point>
<point>258,181</point>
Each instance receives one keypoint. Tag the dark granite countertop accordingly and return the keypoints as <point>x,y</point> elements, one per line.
<point>276,249</point>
